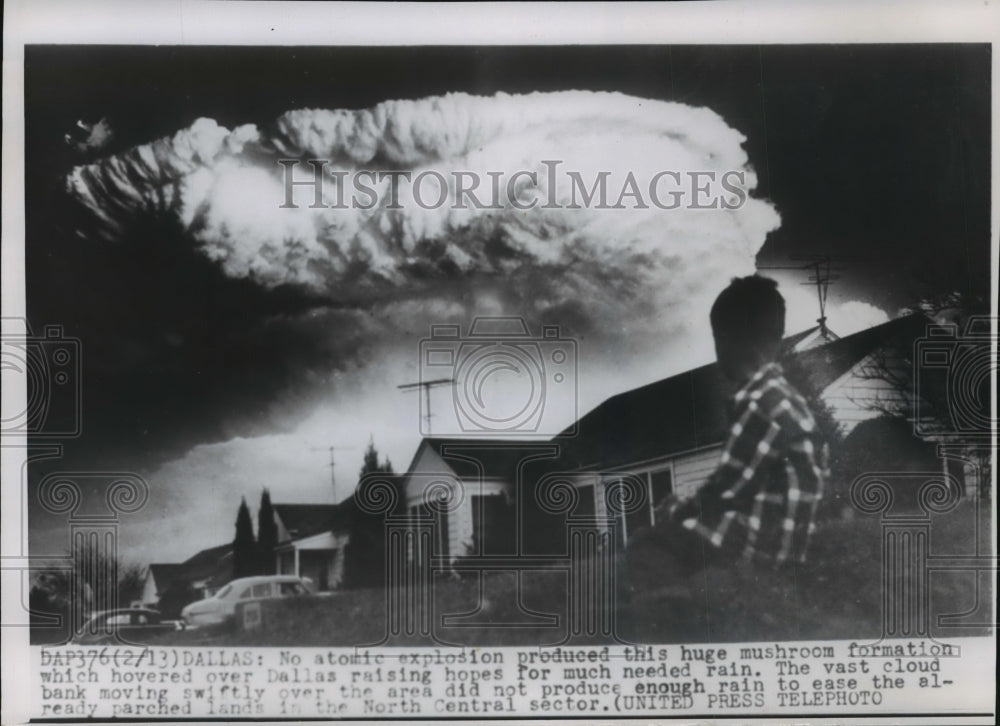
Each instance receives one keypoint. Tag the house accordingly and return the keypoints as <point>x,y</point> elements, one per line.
<point>640,445</point>
<point>169,587</point>
<point>158,577</point>
<point>467,487</point>
<point>309,543</point>
<point>667,437</point>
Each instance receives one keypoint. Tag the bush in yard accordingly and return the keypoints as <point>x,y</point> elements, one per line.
<point>837,594</point>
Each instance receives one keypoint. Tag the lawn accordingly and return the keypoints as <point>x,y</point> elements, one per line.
<point>838,595</point>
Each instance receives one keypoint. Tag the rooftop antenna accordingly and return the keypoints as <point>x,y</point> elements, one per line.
<point>426,385</point>
<point>822,275</point>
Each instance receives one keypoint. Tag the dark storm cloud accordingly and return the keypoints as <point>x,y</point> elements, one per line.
<point>860,149</point>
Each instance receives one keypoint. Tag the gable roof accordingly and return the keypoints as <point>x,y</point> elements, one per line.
<point>212,565</point>
<point>471,458</point>
<point>164,573</point>
<point>305,520</point>
<point>688,411</point>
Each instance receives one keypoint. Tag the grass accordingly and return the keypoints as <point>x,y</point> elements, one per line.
<point>837,596</point>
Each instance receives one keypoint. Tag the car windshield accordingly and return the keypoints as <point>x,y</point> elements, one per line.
<point>224,591</point>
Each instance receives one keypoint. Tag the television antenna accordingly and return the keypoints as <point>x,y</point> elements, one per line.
<point>333,464</point>
<point>427,385</point>
<point>823,274</point>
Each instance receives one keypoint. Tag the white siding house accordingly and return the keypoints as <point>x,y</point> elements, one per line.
<point>466,487</point>
<point>307,545</point>
<point>319,558</point>
<point>667,437</point>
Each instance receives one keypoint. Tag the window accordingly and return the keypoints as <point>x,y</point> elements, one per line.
<point>585,504</point>
<point>439,533</point>
<point>262,590</point>
<point>494,530</point>
<point>662,484</point>
<point>120,619</point>
<point>654,486</point>
<point>291,588</point>
<point>642,515</point>
<point>224,591</point>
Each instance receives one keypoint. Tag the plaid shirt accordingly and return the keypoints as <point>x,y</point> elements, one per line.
<point>761,500</point>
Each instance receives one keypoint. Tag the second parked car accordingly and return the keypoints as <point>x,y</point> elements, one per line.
<point>220,607</point>
<point>123,625</point>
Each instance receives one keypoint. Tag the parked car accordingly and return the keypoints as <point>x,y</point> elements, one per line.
<point>220,607</point>
<point>123,624</point>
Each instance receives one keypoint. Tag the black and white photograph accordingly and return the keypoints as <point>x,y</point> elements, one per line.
<point>450,380</point>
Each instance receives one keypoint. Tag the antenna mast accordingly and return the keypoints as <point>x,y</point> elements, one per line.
<point>426,385</point>
<point>823,274</point>
<point>821,277</point>
<point>333,476</point>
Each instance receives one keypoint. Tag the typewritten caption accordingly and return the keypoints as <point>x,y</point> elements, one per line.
<point>140,682</point>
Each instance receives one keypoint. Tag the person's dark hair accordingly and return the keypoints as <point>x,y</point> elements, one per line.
<point>750,310</point>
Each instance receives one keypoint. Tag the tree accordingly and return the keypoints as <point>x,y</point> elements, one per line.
<point>947,397</point>
<point>244,545</point>
<point>95,580</point>
<point>267,535</point>
<point>371,463</point>
<point>364,555</point>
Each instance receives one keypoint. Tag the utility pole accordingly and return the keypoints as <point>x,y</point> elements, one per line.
<point>426,385</point>
<point>333,476</point>
<point>332,465</point>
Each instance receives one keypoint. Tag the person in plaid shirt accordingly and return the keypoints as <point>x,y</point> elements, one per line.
<point>760,503</point>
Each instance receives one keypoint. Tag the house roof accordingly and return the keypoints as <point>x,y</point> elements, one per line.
<point>688,411</point>
<point>205,562</point>
<point>474,458</point>
<point>164,573</point>
<point>305,520</point>
<point>212,566</point>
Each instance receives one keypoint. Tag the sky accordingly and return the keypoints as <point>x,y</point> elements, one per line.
<point>227,343</point>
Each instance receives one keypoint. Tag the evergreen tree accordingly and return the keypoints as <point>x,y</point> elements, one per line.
<point>364,555</point>
<point>371,463</point>
<point>267,535</point>
<point>244,545</point>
